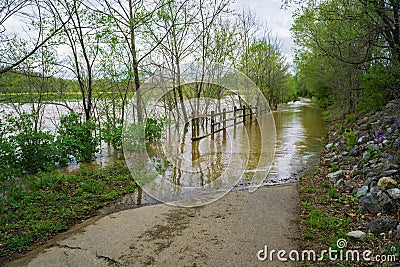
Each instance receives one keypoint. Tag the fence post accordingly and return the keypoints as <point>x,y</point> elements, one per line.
<point>244,113</point>
<point>251,112</point>
<point>212,122</point>
<point>224,118</point>
<point>193,126</point>
<point>197,125</point>
<point>234,115</point>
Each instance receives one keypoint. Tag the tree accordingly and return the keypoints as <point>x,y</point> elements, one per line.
<point>83,38</point>
<point>266,66</point>
<point>351,36</point>
<point>13,8</point>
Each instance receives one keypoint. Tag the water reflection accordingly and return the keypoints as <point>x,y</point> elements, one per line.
<point>299,129</point>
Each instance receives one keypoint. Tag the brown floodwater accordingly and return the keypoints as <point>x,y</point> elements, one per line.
<point>299,130</point>
<point>237,156</point>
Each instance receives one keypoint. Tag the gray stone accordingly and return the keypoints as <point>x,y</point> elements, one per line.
<point>362,191</point>
<point>369,204</point>
<point>387,183</point>
<point>340,183</point>
<point>362,139</point>
<point>372,174</point>
<point>393,167</point>
<point>357,234</point>
<point>353,152</point>
<point>385,201</point>
<point>329,146</point>
<point>371,181</point>
<point>394,193</point>
<point>375,147</point>
<point>382,225</point>
<point>350,186</point>
<point>396,143</point>
<point>366,170</point>
<point>390,172</point>
<point>334,176</point>
<point>372,161</point>
<point>375,190</point>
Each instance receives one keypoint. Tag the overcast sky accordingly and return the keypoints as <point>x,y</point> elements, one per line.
<point>267,11</point>
<point>278,20</point>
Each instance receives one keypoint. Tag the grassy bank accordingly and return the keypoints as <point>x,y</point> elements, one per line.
<point>37,207</point>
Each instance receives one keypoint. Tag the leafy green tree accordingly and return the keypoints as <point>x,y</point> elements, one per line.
<point>74,138</point>
<point>341,43</point>
<point>266,66</point>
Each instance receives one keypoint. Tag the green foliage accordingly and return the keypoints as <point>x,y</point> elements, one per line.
<point>350,118</point>
<point>134,137</point>
<point>334,59</point>
<point>264,64</point>
<point>333,193</point>
<point>379,85</point>
<point>306,205</point>
<point>24,148</point>
<point>136,134</point>
<point>335,167</point>
<point>38,206</point>
<point>342,128</point>
<point>325,183</point>
<point>112,134</point>
<point>153,130</point>
<point>318,220</point>
<point>351,139</point>
<point>371,153</point>
<point>75,138</point>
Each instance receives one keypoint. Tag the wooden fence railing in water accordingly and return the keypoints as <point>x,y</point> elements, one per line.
<point>223,120</point>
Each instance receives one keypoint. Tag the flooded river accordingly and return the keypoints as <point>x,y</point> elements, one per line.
<point>299,131</point>
<point>299,128</point>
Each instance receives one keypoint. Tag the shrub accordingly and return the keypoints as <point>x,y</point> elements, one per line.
<point>112,134</point>
<point>75,138</point>
<point>153,130</point>
<point>381,84</point>
<point>350,118</point>
<point>351,139</point>
<point>25,148</point>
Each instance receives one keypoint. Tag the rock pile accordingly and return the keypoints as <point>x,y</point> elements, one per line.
<point>364,157</point>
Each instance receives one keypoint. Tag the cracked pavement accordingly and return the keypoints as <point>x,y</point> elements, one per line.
<point>228,232</point>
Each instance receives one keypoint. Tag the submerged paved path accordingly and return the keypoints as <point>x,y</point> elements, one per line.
<point>228,232</point>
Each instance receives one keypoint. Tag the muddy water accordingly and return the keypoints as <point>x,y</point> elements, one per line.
<point>299,130</point>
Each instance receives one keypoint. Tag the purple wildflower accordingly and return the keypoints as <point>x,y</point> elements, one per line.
<point>378,138</point>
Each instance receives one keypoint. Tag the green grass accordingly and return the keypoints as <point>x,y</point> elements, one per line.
<point>36,207</point>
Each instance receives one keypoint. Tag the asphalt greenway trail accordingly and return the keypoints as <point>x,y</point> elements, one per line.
<point>200,229</point>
